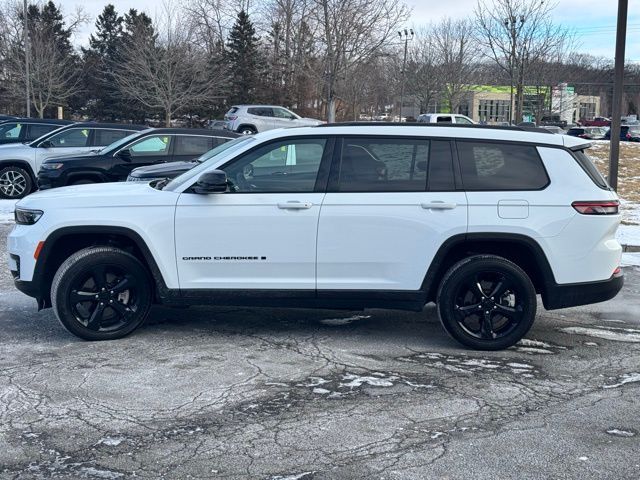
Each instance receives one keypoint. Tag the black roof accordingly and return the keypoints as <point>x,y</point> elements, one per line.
<point>198,131</point>
<point>124,126</point>
<point>52,121</point>
<point>424,124</point>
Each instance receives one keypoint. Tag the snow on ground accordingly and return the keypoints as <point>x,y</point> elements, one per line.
<point>6,210</point>
<point>607,333</point>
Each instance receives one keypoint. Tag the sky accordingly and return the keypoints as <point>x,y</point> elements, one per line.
<point>593,21</point>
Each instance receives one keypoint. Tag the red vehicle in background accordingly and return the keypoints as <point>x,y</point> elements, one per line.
<point>596,122</point>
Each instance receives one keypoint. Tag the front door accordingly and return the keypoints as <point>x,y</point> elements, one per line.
<point>149,150</point>
<point>391,204</point>
<point>261,233</point>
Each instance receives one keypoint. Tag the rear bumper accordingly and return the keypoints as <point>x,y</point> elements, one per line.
<point>574,294</point>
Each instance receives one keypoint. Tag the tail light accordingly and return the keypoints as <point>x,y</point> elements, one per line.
<point>627,136</point>
<point>232,117</point>
<point>617,271</point>
<point>608,207</point>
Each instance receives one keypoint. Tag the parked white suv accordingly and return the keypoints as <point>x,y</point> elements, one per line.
<point>250,119</point>
<point>20,163</point>
<point>445,118</point>
<point>477,219</point>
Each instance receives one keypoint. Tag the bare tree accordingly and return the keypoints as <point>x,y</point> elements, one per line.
<point>424,74</point>
<point>350,33</point>
<point>167,72</point>
<point>517,33</point>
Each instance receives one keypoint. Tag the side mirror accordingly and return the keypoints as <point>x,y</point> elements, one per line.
<point>125,154</point>
<point>46,144</point>
<point>214,181</point>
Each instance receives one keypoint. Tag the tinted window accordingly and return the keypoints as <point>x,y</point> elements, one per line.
<point>10,130</point>
<point>153,145</point>
<point>191,145</point>
<point>383,165</point>
<point>287,166</point>
<point>282,113</point>
<point>75,137</point>
<point>104,137</point>
<point>36,131</point>
<point>494,166</point>
<point>443,119</point>
<point>261,111</point>
<point>590,169</point>
<point>463,121</point>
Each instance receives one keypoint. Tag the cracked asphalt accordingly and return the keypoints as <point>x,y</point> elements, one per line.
<point>245,393</point>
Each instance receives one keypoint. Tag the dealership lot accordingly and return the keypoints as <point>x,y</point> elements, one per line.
<point>269,393</point>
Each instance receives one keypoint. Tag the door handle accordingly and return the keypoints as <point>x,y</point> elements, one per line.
<point>295,205</point>
<point>438,206</point>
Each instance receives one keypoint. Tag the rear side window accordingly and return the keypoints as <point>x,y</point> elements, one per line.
<point>191,145</point>
<point>590,169</point>
<point>498,166</point>
<point>36,131</point>
<point>383,165</point>
<point>10,130</point>
<point>260,111</point>
<point>103,137</point>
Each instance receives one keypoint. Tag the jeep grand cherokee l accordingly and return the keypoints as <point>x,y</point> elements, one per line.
<point>478,220</point>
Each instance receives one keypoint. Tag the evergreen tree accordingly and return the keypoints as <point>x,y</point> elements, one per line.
<point>244,60</point>
<point>100,60</point>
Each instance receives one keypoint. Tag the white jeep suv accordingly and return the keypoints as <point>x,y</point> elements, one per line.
<point>250,119</point>
<point>476,219</point>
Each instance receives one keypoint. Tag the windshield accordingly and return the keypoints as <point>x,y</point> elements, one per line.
<point>212,156</point>
<point>123,141</point>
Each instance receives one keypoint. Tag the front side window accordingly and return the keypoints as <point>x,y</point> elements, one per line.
<point>10,130</point>
<point>103,137</point>
<point>153,145</point>
<point>74,137</point>
<point>286,166</point>
<point>383,165</point>
<point>496,166</point>
<point>191,145</point>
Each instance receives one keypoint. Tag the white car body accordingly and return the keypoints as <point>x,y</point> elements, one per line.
<point>445,118</point>
<point>260,118</point>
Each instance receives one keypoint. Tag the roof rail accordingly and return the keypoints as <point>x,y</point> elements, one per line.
<point>424,124</point>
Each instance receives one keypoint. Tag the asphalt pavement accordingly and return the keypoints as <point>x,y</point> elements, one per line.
<point>248,393</point>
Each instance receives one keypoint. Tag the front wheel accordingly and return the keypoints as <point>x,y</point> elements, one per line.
<point>15,183</point>
<point>486,302</point>
<point>101,293</point>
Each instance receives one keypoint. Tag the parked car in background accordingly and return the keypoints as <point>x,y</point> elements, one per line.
<point>527,124</point>
<point>445,118</point>
<point>6,117</point>
<point>114,162</point>
<point>250,119</point>
<point>596,122</point>
<point>554,129</point>
<point>590,133</point>
<point>552,120</point>
<point>19,163</point>
<point>171,170</point>
<point>629,133</point>
<point>217,124</point>
<point>21,130</point>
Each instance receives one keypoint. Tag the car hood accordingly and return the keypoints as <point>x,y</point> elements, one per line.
<point>77,156</point>
<point>10,149</point>
<point>106,195</point>
<point>169,170</point>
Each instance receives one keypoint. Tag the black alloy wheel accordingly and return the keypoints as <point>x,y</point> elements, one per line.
<point>486,302</point>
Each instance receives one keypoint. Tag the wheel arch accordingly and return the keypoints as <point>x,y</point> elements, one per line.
<point>522,250</point>
<point>65,241</point>
<point>22,164</point>
<point>246,125</point>
<point>85,174</point>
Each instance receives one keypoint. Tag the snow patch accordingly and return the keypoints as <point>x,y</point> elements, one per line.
<point>621,335</point>
<point>94,472</point>
<point>630,259</point>
<point>626,378</point>
<point>111,441</point>
<point>295,476</point>
<point>6,210</point>
<point>620,433</point>
<point>525,342</point>
<point>534,351</point>
<point>358,381</point>
<point>334,322</point>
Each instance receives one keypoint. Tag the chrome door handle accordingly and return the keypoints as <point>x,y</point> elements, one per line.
<point>438,206</point>
<point>295,205</point>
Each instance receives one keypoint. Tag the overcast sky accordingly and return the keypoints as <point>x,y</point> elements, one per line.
<point>593,20</point>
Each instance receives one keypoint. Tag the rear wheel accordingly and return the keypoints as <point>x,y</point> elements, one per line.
<point>486,302</point>
<point>247,130</point>
<point>15,182</point>
<point>101,293</point>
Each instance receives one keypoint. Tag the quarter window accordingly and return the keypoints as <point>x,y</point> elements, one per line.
<point>155,145</point>
<point>75,137</point>
<point>495,166</point>
<point>104,137</point>
<point>383,165</point>
<point>289,166</point>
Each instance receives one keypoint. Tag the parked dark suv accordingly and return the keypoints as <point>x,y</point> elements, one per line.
<point>20,130</point>
<point>630,133</point>
<point>114,162</point>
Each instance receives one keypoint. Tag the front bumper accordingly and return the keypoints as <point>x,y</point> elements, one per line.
<point>574,294</point>
<point>50,180</point>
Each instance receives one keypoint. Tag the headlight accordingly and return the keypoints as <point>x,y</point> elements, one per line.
<point>52,166</point>
<point>27,217</point>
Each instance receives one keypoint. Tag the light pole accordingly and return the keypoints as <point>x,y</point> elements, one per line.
<point>26,59</point>
<point>618,85</point>
<point>511,24</point>
<point>405,35</point>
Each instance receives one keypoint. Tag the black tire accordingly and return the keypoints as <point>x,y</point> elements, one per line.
<point>486,302</point>
<point>247,130</point>
<point>15,182</point>
<point>101,275</point>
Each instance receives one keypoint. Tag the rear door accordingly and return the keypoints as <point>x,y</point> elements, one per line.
<point>392,202</point>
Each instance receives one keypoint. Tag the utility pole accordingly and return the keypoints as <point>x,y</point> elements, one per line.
<point>406,35</point>
<point>26,59</point>
<point>618,85</point>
